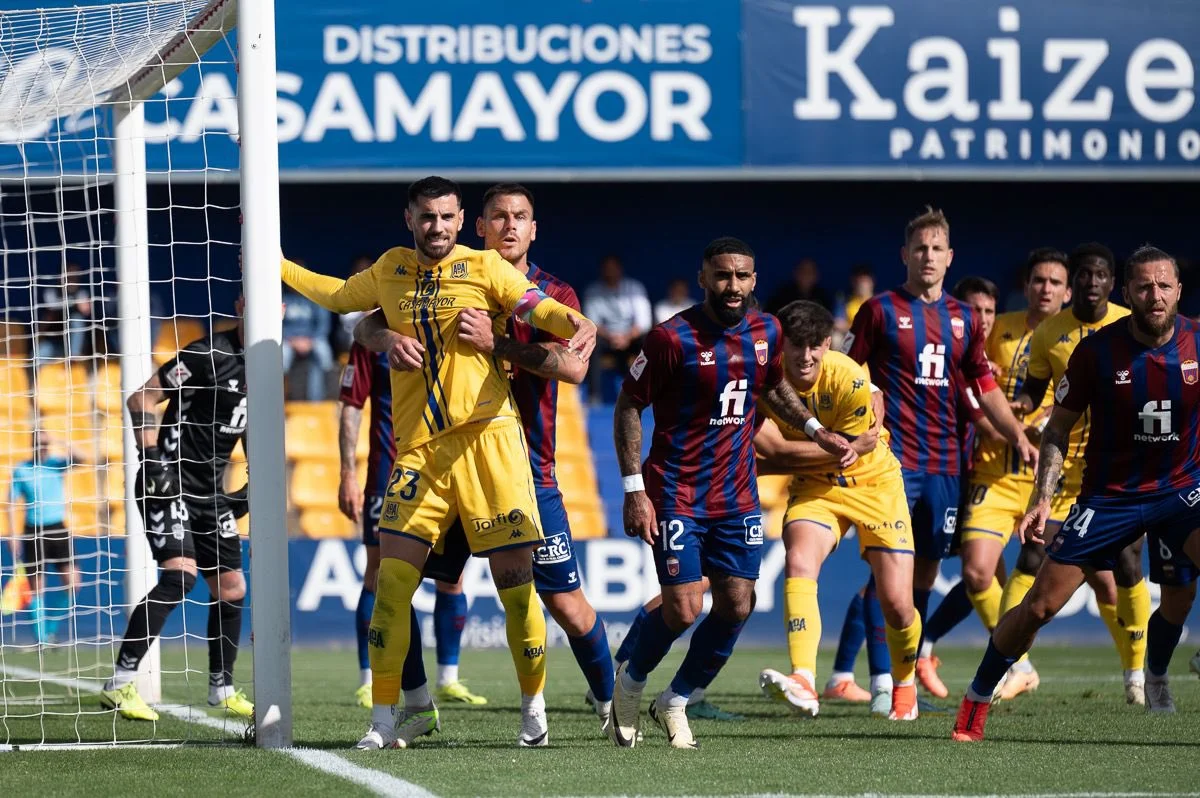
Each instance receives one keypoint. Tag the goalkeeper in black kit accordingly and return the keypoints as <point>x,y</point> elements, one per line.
<point>191,524</point>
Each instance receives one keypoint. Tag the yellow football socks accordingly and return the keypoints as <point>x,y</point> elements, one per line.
<point>802,619</point>
<point>1133,614</point>
<point>902,646</point>
<point>526,627</point>
<point>1108,614</point>
<point>987,604</point>
<point>1019,583</point>
<point>391,625</point>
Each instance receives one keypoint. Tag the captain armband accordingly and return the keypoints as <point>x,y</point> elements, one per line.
<point>982,385</point>
<point>531,299</point>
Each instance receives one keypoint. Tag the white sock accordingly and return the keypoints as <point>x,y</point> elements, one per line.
<point>673,699</point>
<point>120,678</point>
<point>364,676</point>
<point>384,715</point>
<point>447,674</point>
<point>926,649</point>
<point>219,693</point>
<point>974,696</point>
<point>533,703</point>
<point>418,699</point>
<point>1023,666</point>
<point>807,674</point>
<point>696,697</point>
<point>881,683</point>
<point>1137,676</point>
<point>629,684</point>
<point>837,677</point>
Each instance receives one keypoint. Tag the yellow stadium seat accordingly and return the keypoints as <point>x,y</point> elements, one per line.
<point>16,441</point>
<point>236,475</point>
<point>587,523</point>
<point>108,389</point>
<point>328,523</point>
<point>84,501</point>
<point>59,388</point>
<point>315,483</point>
<point>311,430</point>
<point>174,335</point>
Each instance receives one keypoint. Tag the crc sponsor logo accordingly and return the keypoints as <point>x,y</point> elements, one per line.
<point>554,549</point>
<point>503,521</point>
<point>1192,498</point>
<point>754,530</point>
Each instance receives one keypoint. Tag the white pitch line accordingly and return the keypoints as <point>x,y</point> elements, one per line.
<point>376,781</point>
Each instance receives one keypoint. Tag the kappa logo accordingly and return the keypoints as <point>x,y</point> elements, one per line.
<point>459,270</point>
<point>707,358</point>
<point>905,322</point>
<point>401,270</point>
<point>1064,339</point>
<point>859,383</point>
<point>1007,336</point>
<point>1123,377</point>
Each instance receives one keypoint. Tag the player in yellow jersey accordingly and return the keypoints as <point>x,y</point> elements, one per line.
<point>1000,484</point>
<point>824,501</point>
<point>460,450</point>
<point>1124,605</point>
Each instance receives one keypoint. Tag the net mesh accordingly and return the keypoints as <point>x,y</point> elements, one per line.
<point>63,72</point>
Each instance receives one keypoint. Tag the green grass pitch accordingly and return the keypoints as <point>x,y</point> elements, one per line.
<point>1075,735</point>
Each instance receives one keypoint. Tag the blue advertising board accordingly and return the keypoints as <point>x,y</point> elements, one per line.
<point>967,87</point>
<point>618,576</point>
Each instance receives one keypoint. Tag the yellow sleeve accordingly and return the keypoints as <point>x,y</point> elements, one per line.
<point>360,292</point>
<point>511,289</point>
<point>1039,354</point>
<point>854,402</point>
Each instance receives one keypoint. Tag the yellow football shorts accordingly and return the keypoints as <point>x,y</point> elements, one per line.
<point>993,507</point>
<point>479,474</point>
<point>1069,486</point>
<point>878,509</point>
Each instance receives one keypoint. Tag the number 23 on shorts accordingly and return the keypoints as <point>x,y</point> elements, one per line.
<point>409,490</point>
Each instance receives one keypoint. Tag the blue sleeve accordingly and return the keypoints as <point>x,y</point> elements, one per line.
<point>20,484</point>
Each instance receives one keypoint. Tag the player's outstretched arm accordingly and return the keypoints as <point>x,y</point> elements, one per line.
<point>1050,465</point>
<point>996,408</point>
<point>155,478</point>
<point>785,403</point>
<point>360,292</point>
<point>545,359</point>
<point>350,492</point>
<point>404,353</point>
<point>638,512</point>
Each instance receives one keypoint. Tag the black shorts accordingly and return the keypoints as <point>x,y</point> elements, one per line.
<point>176,528</point>
<point>50,543</point>
<point>447,564</point>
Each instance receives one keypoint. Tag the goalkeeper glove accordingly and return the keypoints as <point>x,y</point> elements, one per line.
<point>156,479</point>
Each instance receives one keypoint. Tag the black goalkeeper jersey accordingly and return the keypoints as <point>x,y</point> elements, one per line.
<point>206,413</point>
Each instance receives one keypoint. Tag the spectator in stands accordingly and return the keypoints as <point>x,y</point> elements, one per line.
<point>306,337</point>
<point>343,329</point>
<point>621,309</point>
<point>678,298</point>
<point>862,288</point>
<point>805,284</point>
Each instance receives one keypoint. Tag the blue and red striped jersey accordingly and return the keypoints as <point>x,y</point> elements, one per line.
<point>537,397</point>
<point>1145,405</point>
<point>703,382</point>
<point>367,376</point>
<point>917,351</point>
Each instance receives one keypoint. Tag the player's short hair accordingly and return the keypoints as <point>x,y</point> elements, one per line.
<point>806,323</point>
<point>1092,249</point>
<point>505,190</point>
<point>930,217</point>
<point>975,285</point>
<point>1148,254</point>
<point>433,187</point>
<point>1045,255</point>
<point>727,245</point>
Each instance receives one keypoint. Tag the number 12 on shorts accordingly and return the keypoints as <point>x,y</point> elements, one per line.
<point>670,532</point>
<point>409,490</point>
<point>1078,519</point>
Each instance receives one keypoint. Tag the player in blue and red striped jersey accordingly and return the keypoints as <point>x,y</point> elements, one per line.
<point>696,499</point>
<point>1140,379</point>
<point>919,344</point>
<point>366,376</point>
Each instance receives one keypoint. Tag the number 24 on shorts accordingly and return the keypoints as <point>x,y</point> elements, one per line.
<point>1078,520</point>
<point>409,490</point>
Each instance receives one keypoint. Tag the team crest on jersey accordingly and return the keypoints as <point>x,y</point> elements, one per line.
<point>707,358</point>
<point>179,374</point>
<point>760,351</point>
<point>1191,371</point>
<point>825,401</point>
<point>459,270</point>
<point>905,322</point>
<point>958,327</point>
<point>1123,376</point>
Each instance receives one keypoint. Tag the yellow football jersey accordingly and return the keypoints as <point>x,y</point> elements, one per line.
<point>841,401</point>
<point>1053,342</point>
<point>1008,348</point>
<point>456,384</point>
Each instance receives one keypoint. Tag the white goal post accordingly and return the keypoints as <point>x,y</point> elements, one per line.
<point>74,83</point>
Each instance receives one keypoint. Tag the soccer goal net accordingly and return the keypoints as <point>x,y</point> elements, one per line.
<point>120,235</point>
